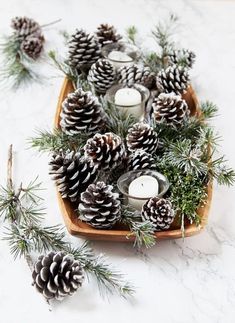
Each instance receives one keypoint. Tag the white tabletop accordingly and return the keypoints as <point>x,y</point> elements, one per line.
<point>183,281</point>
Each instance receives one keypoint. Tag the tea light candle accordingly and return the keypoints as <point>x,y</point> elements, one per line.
<point>143,187</point>
<point>129,100</point>
<point>119,59</point>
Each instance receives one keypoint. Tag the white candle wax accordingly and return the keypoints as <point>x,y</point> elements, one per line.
<point>129,101</point>
<point>143,187</point>
<point>119,59</point>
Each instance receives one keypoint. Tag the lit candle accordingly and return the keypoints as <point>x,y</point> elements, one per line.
<point>143,187</point>
<point>129,101</point>
<point>119,59</point>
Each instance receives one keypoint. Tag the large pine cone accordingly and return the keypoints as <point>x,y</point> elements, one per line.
<point>173,79</point>
<point>129,75</point>
<point>142,136</point>
<point>25,27</point>
<point>107,150</point>
<point>100,207</point>
<point>170,108</point>
<point>107,34</point>
<point>159,211</point>
<point>140,159</point>
<point>32,46</point>
<point>102,75</point>
<point>183,57</point>
<point>72,173</point>
<point>81,112</point>
<point>84,50</point>
<point>57,275</point>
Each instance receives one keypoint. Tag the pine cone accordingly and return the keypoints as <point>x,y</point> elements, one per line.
<point>142,136</point>
<point>57,275</point>
<point>140,159</point>
<point>159,211</point>
<point>173,79</point>
<point>102,75</point>
<point>84,50</point>
<point>99,206</point>
<point>170,108</point>
<point>25,27</point>
<point>105,150</point>
<point>72,173</point>
<point>81,112</point>
<point>129,75</point>
<point>183,57</point>
<point>32,46</point>
<point>107,34</point>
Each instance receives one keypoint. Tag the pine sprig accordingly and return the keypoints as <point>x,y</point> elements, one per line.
<point>109,280</point>
<point>142,230</point>
<point>51,141</point>
<point>131,33</point>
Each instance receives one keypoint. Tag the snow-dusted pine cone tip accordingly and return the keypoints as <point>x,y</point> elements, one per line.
<point>129,75</point>
<point>142,136</point>
<point>140,159</point>
<point>84,50</point>
<point>102,75</point>
<point>32,46</point>
<point>182,57</point>
<point>107,34</point>
<point>159,211</point>
<point>72,173</point>
<point>170,108</point>
<point>25,27</point>
<point>105,150</point>
<point>100,206</point>
<point>173,79</point>
<point>57,275</point>
<point>82,112</point>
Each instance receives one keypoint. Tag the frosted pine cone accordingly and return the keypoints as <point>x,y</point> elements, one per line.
<point>57,275</point>
<point>129,75</point>
<point>159,211</point>
<point>107,150</point>
<point>142,136</point>
<point>32,47</point>
<point>173,79</point>
<point>100,206</point>
<point>183,57</point>
<point>170,108</point>
<point>107,34</point>
<point>102,75</point>
<point>81,112</point>
<point>72,173</point>
<point>25,27</point>
<point>84,50</point>
<point>140,159</point>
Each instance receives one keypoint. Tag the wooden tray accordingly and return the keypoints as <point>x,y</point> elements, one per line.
<point>119,232</point>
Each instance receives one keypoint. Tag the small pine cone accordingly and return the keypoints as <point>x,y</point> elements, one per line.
<point>140,159</point>
<point>159,211</point>
<point>173,79</point>
<point>32,47</point>
<point>25,27</point>
<point>129,75</point>
<point>57,275</point>
<point>107,34</point>
<point>142,136</point>
<point>107,150</point>
<point>102,75</point>
<point>72,173</point>
<point>81,112</point>
<point>182,57</point>
<point>100,206</point>
<point>84,50</point>
<point>170,108</point>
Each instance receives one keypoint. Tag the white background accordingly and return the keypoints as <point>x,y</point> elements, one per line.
<point>182,282</point>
